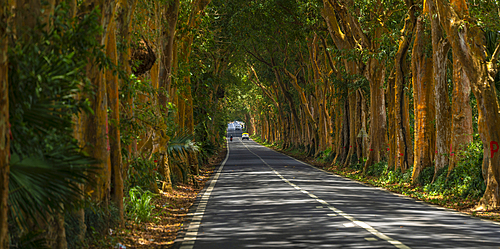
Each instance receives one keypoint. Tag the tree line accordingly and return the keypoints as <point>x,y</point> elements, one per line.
<point>408,83</point>
<point>98,97</point>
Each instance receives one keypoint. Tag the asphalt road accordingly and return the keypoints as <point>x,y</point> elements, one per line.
<point>263,199</point>
<point>234,133</point>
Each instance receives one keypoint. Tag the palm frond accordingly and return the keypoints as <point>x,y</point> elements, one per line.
<point>47,185</point>
<point>180,144</point>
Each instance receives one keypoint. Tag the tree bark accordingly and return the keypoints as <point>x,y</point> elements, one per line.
<point>393,163</point>
<point>467,42</point>
<point>423,103</point>
<point>440,47</point>
<point>404,151</point>
<point>95,132</point>
<point>4,124</point>
<point>461,130</point>
<point>171,14</point>
<point>112,89</point>
<point>378,116</point>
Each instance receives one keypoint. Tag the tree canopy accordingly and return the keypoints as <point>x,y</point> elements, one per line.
<point>101,96</point>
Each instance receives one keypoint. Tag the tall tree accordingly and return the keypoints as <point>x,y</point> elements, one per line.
<point>404,145</point>
<point>113,122</point>
<point>423,94</point>
<point>440,48</point>
<point>4,124</point>
<point>461,130</point>
<point>468,45</point>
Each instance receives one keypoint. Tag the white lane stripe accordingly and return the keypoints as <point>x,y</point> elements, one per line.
<point>194,225</point>
<point>354,221</point>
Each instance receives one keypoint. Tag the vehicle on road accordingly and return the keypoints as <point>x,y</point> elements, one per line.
<point>245,136</point>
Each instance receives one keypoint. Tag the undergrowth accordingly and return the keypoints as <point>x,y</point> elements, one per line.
<point>139,205</point>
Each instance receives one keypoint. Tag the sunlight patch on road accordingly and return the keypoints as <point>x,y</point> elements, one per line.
<point>353,220</point>
<point>194,225</point>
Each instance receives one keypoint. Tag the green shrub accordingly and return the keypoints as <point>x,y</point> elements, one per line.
<point>98,220</point>
<point>466,179</point>
<point>377,169</point>
<point>138,205</point>
<point>426,176</point>
<point>143,173</point>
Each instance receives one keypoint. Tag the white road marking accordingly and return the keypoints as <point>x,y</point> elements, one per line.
<point>194,225</point>
<point>354,221</point>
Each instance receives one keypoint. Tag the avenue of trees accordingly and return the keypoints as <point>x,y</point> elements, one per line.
<point>98,96</point>
<point>410,84</point>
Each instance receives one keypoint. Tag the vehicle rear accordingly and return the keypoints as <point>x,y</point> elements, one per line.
<point>245,136</point>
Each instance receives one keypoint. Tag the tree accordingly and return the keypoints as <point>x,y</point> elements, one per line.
<point>480,67</point>
<point>422,72</point>
<point>4,125</point>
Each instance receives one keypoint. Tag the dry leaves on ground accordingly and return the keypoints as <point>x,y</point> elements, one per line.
<point>168,216</point>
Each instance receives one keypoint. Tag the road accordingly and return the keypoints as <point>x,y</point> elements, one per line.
<point>260,198</point>
<point>234,133</point>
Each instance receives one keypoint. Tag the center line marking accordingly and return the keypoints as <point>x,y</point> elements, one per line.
<point>354,221</point>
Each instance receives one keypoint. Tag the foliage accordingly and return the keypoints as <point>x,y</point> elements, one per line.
<point>466,179</point>
<point>138,204</point>
<point>98,219</point>
<point>143,173</point>
<point>377,169</point>
<point>30,240</point>
<point>46,78</point>
<point>147,114</point>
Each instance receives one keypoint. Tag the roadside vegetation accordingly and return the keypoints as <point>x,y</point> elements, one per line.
<point>109,108</point>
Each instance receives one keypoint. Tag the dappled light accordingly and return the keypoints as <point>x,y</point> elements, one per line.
<point>251,207</point>
<point>114,113</point>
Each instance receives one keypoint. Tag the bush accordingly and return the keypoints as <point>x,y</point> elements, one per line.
<point>143,174</point>
<point>138,204</point>
<point>466,179</point>
<point>98,220</point>
<point>426,176</point>
<point>377,169</point>
<point>326,156</point>
<point>396,176</point>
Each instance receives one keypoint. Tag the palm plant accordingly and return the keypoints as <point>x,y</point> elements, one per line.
<point>46,75</point>
<point>178,147</point>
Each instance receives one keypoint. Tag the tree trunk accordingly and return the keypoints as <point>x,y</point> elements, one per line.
<point>461,131</point>
<point>351,141</point>
<point>423,103</point>
<point>95,132</point>
<point>4,125</point>
<point>378,116</point>
<point>171,14</point>
<point>404,151</point>
<point>114,124</point>
<point>440,47</point>
<point>393,163</point>
<point>467,42</point>
<point>123,27</point>
<point>164,169</point>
